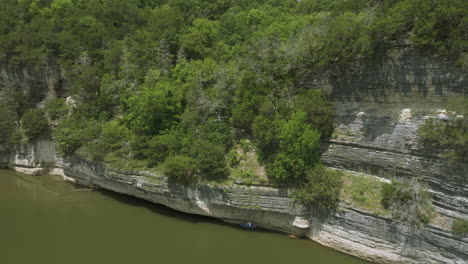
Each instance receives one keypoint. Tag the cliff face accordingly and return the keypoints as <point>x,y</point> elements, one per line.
<point>35,84</point>
<point>32,87</point>
<point>349,230</point>
<point>378,115</point>
<point>35,158</point>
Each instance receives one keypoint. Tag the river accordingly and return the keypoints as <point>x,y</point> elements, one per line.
<point>44,220</point>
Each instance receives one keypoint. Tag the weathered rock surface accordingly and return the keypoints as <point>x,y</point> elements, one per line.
<point>35,158</point>
<point>352,231</point>
<point>35,84</point>
<point>378,115</point>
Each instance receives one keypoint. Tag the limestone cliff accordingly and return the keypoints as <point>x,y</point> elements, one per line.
<point>35,84</point>
<point>379,112</point>
<point>349,230</point>
<point>34,158</point>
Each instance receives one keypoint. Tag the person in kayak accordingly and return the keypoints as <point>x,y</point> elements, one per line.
<point>248,225</point>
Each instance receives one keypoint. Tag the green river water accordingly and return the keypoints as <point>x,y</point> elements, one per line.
<point>44,220</point>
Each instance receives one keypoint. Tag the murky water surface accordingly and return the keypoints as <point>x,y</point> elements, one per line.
<point>45,220</point>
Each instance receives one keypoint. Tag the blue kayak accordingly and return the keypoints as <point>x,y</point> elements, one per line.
<point>249,225</point>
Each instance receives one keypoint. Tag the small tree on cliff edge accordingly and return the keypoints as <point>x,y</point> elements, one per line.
<point>34,123</point>
<point>409,202</point>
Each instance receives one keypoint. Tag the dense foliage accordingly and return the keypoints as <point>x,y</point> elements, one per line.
<point>7,125</point>
<point>297,151</point>
<point>409,201</point>
<point>180,169</point>
<point>34,123</point>
<point>160,81</point>
<point>56,108</point>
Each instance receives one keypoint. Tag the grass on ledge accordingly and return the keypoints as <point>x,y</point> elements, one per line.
<point>363,192</point>
<point>247,169</point>
<point>359,190</point>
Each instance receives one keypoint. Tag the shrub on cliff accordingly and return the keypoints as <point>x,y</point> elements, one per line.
<point>451,136</point>
<point>34,123</point>
<point>75,131</point>
<point>68,140</point>
<point>113,140</point>
<point>56,108</point>
<point>409,202</point>
<point>319,111</point>
<point>298,150</point>
<point>460,227</point>
<point>181,169</point>
<point>162,146</point>
<point>322,187</point>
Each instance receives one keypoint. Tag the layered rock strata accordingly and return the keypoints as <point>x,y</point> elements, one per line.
<point>349,230</point>
<point>379,112</point>
<point>35,158</point>
<point>36,85</point>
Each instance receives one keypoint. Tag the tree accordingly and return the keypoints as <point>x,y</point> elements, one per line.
<point>113,139</point>
<point>201,38</point>
<point>209,87</point>
<point>164,57</point>
<point>34,123</point>
<point>298,151</point>
<point>322,187</point>
<point>77,129</point>
<point>165,21</point>
<point>243,116</point>
<point>156,106</point>
<point>320,112</point>
<point>17,100</point>
<point>210,159</point>
<point>450,136</point>
<point>56,108</point>
<point>433,132</point>
<point>181,169</point>
<point>265,132</point>
<point>409,201</point>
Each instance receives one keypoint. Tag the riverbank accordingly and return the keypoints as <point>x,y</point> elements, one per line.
<point>57,222</point>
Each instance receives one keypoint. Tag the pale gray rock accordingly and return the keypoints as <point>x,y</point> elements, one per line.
<point>379,112</point>
<point>35,158</point>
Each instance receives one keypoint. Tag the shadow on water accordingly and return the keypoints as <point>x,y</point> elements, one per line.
<point>72,218</point>
<point>174,214</point>
<point>55,185</point>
